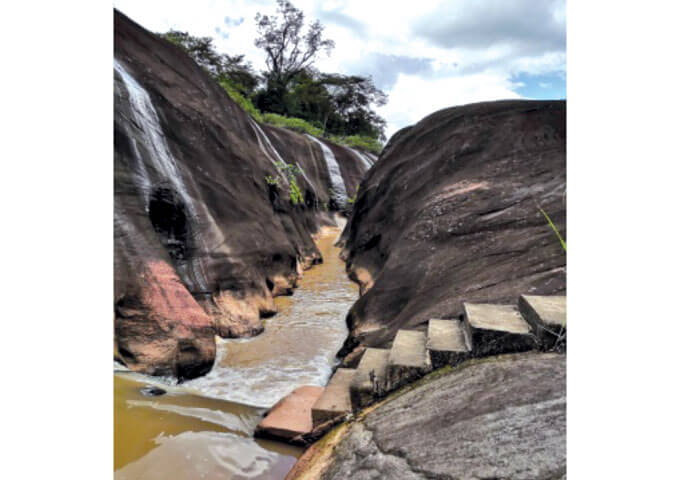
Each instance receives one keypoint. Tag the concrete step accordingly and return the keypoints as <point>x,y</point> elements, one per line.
<point>368,382</point>
<point>291,416</point>
<point>547,316</point>
<point>495,329</point>
<point>408,360</point>
<point>335,401</point>
<point>446,342</point>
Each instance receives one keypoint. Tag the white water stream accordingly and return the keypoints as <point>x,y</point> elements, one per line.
<point>337,182</point>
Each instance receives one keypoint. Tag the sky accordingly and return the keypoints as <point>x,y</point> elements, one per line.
<point>426,55</point>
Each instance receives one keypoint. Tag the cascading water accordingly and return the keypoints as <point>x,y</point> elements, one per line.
<point>162,161</point>
<point>364,159</point>
<point>337,183</point>
<point>262,140</point>
<point>146,118</point>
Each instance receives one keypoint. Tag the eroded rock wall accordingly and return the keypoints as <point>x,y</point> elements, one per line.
<point>202,241</point>
<point>451,212</point>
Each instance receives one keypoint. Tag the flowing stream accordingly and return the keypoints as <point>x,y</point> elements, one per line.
<point>203,427</point>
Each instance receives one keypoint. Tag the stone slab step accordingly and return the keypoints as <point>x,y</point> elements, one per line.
<point>291,416</point>
<point>494,329</point>
<point>446,342</point>
<point>335,401</point>
<point>408,360</point>
<point>368,382</point>
<point>547,316</point>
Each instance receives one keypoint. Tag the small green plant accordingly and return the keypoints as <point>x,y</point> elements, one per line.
<point>271,180</point>
<point>554,228</point>
<point>295,193</point>
<point>290,171</point>
<point>353,199</point>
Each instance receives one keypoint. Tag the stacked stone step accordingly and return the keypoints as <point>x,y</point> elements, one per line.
<point>486,329</point>
<point>495,329</point>
<point>335,401</point>
<point>446,342</point>
<point>547,316</point>
<point>408,360</point>
<point>369,380</point>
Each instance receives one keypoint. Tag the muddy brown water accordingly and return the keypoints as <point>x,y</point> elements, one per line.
<point>203,428</point>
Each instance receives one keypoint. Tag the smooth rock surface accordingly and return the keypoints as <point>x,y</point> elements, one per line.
<point>500,417</point>
<point>450,213</point>
<point>369,380</point>
<point>335,401</point>
<point>291,416</point>
<point>494,329</point>
<point>446,342</point>
<point>408,359</point>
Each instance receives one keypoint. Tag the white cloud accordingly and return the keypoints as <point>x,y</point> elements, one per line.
<point>413,97</point>
<point>441,52</point>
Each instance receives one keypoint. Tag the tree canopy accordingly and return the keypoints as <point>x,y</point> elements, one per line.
<point>288,51</point>
<point>290,86</point>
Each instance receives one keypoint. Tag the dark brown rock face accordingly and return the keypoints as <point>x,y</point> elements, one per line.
<point>504,417</point>
<point>202,241</point>
<point>451,213</point>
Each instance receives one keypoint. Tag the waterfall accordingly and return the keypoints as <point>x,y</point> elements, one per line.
<point>367,163</point>
<point>146,118</point>
<point>161,159</point>
<point>337,183</point>
<point>264,142</point>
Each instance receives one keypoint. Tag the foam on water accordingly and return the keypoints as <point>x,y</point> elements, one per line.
<point>298,345</point>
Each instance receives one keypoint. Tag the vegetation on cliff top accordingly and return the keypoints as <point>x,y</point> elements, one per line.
<point>291,92</point>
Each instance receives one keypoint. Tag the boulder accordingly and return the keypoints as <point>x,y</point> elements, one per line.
<point>500,417</point>
<point>452,212</point>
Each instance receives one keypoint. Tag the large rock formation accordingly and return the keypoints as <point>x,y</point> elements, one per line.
<point>202,241</point>
<point>500,417</point>
<point>451,212</point>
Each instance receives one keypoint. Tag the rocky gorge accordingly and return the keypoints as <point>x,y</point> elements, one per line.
<point>203,242</point>
<point>465,209</point>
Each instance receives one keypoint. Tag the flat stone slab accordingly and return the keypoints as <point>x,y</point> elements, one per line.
<point>409,358</point>
<point>446,342</point>
<point>494,329</point>
<point>547,316</point>
<point>291,416</point>
<point>369,379</point>
<point>335,401</point>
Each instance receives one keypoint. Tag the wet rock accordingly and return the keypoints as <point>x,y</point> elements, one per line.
<point>451,213</point>
<point>501,417</point>
<point>152,391</point>
<point>191,199</point>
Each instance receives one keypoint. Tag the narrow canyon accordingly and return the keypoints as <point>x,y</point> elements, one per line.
<point>288,307</point>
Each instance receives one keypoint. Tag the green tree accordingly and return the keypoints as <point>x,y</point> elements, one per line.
<point>233,69</point>
<point>288,51</point>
